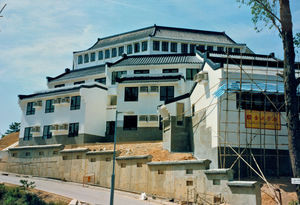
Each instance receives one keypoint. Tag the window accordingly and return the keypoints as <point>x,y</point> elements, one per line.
<point>113,52</point>
<point>165,46</point>
<point>123,165</point>
<point>115,75</point>
<point>184,48</point>
<point>93,160</point>
<point>144,45</point>
<point>41,153</point>
<point>79,59</point>
<point>93,56</point>
<point>100,55</point>
<point>220,49</point>
<point>137,47</point>
<point>65,157</point>
<point>139,164</point>
<point>86,58</point>
<point>179,113</point>
<point>27,154</point>
<point>153,118</point>
<point>173,47</point>
<point>107,159</point>
<point>141,71</point>
<point>49,106</point>
<point>107,53</point>
<point>143,118</point>
<point>27,133</point>
<point>216,181</point>
<point>55,152</point>
<point>30,110</point>
<point>130,122</point>
<point>166,92</point>
<point>160,171</point>
<point>191,72</point>
<point>129,49</point>
<point>144,89</point>
<point>110,128</point>
<point>59,86</point>
<point>154,89</point>
<point>112,99</point>
<point>170,70</point>
<point>73,129</point>
<point>14,154</point>
<point>78,157</point>
<point>46,132</point>
<point>101,80</point>
<point>210,48</point>
<point>201,48</point>
<point>189,171</point>
<point>79,82</point>
<point>121,50</point>
<point>192,48</point>
<point>156,45</point>
<point>75,103</point>
<point>189,183</point>
<point>131,93</point>
<point>229,50</point>
<point>237,50</point>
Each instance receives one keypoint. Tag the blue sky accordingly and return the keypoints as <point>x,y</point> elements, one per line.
<point>37,38</point>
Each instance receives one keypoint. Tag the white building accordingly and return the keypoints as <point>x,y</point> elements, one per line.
<point>130,75</point>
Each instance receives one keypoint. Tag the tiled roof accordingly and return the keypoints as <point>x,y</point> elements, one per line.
<point>63,90</point>
<point>157,60</point>
<point>94,70</point>
<point>164,32</point>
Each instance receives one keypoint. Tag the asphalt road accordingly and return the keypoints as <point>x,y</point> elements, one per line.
<point>91,194</point>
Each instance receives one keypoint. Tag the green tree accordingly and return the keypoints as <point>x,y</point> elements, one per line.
<point>13,127</point>
<point>277,14</point>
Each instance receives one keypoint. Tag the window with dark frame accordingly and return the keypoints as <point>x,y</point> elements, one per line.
<point>123,165</point>
<point>156,45</point>
<point>93,56</point>
<point>27,134</point>
<point>49,108</point>
<point>210,48</point>
<point>101,80</point>
<point>115,75</point>
<point>137,47</point>
<point>73,129</point>
<point>79,59</point>
<point>201,48</point>
<point>165,46</point>
<point>79,82</point>
<point>192,48</point>
<point>144,45</point>
<point>173,47</point>
<point>121,50</point>
<point>129,49</point>
<point>131,94</point>
<point>75,103</point>
<point>170,70</point>
<point>113,52</point>
<point>59,86</point>
<point>100,55</point>
<point>27,154</point>
<point>166,92</point>
<point>220,49</point>
<point>107,53</point>
<point>130,122</point>
<point>229,50</point>
<point>30,110</point>
<point>191,72</point>
<point>237,50</point>
<point>141,71</point>
<point>184,48</point>
<point>86,58</point>
<point>47,134</point>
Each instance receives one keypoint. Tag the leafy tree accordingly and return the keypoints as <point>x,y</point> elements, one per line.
<point>13,127</point>
<point>277,14</point>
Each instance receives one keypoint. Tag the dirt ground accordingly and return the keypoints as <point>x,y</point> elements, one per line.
<point>139,148</point>
<point>8,140</point>
<point>287,190</point>
<point>47,196</point>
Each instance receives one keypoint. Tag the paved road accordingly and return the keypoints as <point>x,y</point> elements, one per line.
<point>90,194</point>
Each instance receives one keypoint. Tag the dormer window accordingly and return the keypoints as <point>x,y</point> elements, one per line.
<point>107,53</point>
<point>79,59</point>
<point>86,58</point>
<point>100,55</point>
<point>113,52</point>
<point>129,49</point>
<point>93,56</point>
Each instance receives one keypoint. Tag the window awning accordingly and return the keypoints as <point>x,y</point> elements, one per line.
<point>272,88</point>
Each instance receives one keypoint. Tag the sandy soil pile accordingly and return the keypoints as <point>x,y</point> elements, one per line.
<point>8,140</point>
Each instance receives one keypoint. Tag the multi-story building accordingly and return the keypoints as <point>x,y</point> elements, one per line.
<point>207,102</point>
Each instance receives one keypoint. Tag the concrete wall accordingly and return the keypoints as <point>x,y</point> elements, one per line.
<point>135,174</point>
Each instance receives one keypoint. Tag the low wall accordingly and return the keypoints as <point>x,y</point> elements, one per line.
<point>189,180</point>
